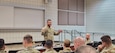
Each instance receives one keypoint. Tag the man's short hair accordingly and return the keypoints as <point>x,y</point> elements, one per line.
<point>49,43</point>
<point>88,34</point>
<point>85,49</point>
<point>49,20</point>
<point>28,38</point>
<point>67,43</point>
<point>106,39</point>
<point>1,43</point>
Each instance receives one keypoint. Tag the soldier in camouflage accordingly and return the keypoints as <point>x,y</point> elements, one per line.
<point>49,47</point>
<point>66,46</point>
<point>28,44</point>
<point>2,46</point>
<point>49,32</point>
<point>106,46</point>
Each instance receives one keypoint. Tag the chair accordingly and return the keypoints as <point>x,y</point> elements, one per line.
<point>13,51</point>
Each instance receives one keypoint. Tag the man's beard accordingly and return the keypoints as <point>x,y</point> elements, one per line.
<point>49,25</point>
<point>87,38</point>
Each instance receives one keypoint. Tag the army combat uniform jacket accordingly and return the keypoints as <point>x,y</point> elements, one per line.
<point>29,50</point>
<point>48,33</point>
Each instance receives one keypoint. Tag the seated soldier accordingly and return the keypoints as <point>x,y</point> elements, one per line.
<point>28,44</point>
<point>49,47</point>
<point>79,41</point>
<point>87,39</point>
<point>85,49</point>
<point>2,46</point>
<point>106,46</point>
<point>66,47</point>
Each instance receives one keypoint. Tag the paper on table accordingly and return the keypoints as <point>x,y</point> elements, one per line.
<point>39,47</point>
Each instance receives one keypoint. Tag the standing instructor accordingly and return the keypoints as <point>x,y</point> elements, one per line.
<point>49,32</point>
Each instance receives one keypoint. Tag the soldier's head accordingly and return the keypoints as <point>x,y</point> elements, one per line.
<point>87,36</point>
<point>106,40</point>
<point>49,44</point>
<point>49,22</point>
<point>85,49</point>
<point>27,40</point>
<point>79,41</point>
<point>2,44</point>
<point>66,43</point>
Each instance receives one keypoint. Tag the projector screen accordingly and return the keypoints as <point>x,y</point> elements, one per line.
<point>28,18</point>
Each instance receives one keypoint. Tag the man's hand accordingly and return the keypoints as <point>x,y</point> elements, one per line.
<point>100,47</point>
<point>59,31</point>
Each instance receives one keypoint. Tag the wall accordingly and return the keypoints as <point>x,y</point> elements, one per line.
<point>52,13</point>
<point>24,3</point>
<point>15,37</point>
<point>100,16</point>
<point>6,21</point>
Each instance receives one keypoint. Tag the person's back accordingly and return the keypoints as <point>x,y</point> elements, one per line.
<point>66,47</point>
<point>28,50</point>
<point>2,46</point>
<point>49,47</point>
<point>50,51</point>
<point>85,49</point>
<point>112,50</point>
<point>28,44</point>
<point>66,50</point>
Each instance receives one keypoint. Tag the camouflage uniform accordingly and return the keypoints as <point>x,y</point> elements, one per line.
<point>110,49</point>
<point>48,33</point>
<point>29,50</point>
<point>50,51</point>
<point>87,41</point>
<point>2,51</point>
<point>65,50</point>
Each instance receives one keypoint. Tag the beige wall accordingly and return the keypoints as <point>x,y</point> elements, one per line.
<point>23,3</point>
<point>15,37</point>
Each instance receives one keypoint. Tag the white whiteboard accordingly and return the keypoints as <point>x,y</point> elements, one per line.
<point>28,18</point>
<point>6,17</point>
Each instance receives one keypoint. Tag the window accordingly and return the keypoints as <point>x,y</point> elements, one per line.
<point>71,12</point>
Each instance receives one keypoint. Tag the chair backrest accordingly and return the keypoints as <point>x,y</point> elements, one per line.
<point>13,51</point>
<point>113,41</point>
<point>58,49</point>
